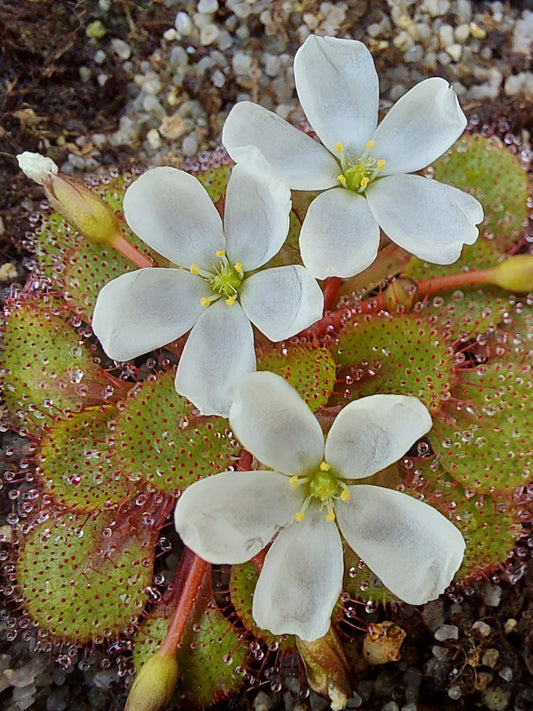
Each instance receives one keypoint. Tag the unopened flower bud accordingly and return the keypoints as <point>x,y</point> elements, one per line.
<point>155,683</point>
<point>515,273</point>
<point>400,292</point>
<point>326,667</point>
<point>82,209</point>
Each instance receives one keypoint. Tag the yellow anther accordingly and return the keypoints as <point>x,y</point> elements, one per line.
<point>230,300</point>
<point>294,481</point>
<point>364,182</point>
<point>194,268</point>
<point>220,253</point>
<point>238,267</point>
<point>324,467</point>
<point>300,515</point>
<point>330,515</point>
<point>381,164</point>
<point>370,144</point>
<point>341,179</point>
<point>345,495</point>
<point>339,147</point>
<point>204,301</point>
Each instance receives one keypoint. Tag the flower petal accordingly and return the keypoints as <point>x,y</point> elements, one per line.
<point>301,578</point>
<point>274,424</point>
<point>230,517</point>
<point>421,125</point>
<point>292,155</point>
<point>282,301</point>
<point>256,216</point>
<point>339,235</point>
<point>145,309</point>
<point>338,89</point>
<point>409,545</point>
<point>373,432</point>
<point>427,218</point>
<point>218,352</point>
<point>172,212</point>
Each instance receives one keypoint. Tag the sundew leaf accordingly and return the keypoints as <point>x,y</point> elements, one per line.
<point>160,442</point>
<point>490,524</point>
<point>84,577</point>
<point>404,354</point>
<point>310,369</point>
<point>47,371</point>
<point>74,462</point>
<point>486,445</point>
<point>210,653</point>
<point>484,168</point>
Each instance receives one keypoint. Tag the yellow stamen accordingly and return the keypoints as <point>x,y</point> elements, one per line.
<point>324,467</point>
<point>339,147</point>
<point>230,300</point>
<point>194,268</point>
<point>381,164</point>
<point>220,253</point>
<point>294,480</point>
<point>341,179</point>
<point>364,182</point>
<point>345,495</point>
<point>300,515</point>
<point>330,515</point>
<point>204,301</point>
<point>370,144</point>
<point>238,267</point>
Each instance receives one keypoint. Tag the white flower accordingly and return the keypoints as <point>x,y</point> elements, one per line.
<point>214,292</point>
<point>230,517</point>
<point>338,88</point>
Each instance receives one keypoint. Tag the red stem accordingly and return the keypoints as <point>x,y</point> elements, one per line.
<point>426,287</point>
<point>195,569</point>
<point>331,289</point>
<point>121,244</point>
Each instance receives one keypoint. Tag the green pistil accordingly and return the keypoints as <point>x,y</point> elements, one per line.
<point>225,280</point>
<point>357,175</point>
<point>322,486</point>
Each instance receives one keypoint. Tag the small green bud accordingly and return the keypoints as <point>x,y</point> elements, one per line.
<point>155,683</point>
<point>401,292</point>
<point>85,211</point>
<point>515,274</point>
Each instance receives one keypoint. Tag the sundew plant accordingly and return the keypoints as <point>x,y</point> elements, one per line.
<point>247,399</point>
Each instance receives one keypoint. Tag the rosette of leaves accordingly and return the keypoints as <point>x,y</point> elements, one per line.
<point>108,449</point>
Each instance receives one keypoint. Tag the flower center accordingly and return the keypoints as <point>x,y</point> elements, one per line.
<point>324,486</point>
<point>356,175</point>
<point>225,280</point>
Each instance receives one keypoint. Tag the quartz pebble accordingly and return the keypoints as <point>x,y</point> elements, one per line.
<point>445,632</point>
<point>492,594</point>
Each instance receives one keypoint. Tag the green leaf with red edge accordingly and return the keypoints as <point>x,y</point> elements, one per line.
<point>74,462</point>
<point>85,577</point>
<point>47,370</point>
<point>160,442</point>
<point>310,369</point>
<point>404,354</point>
